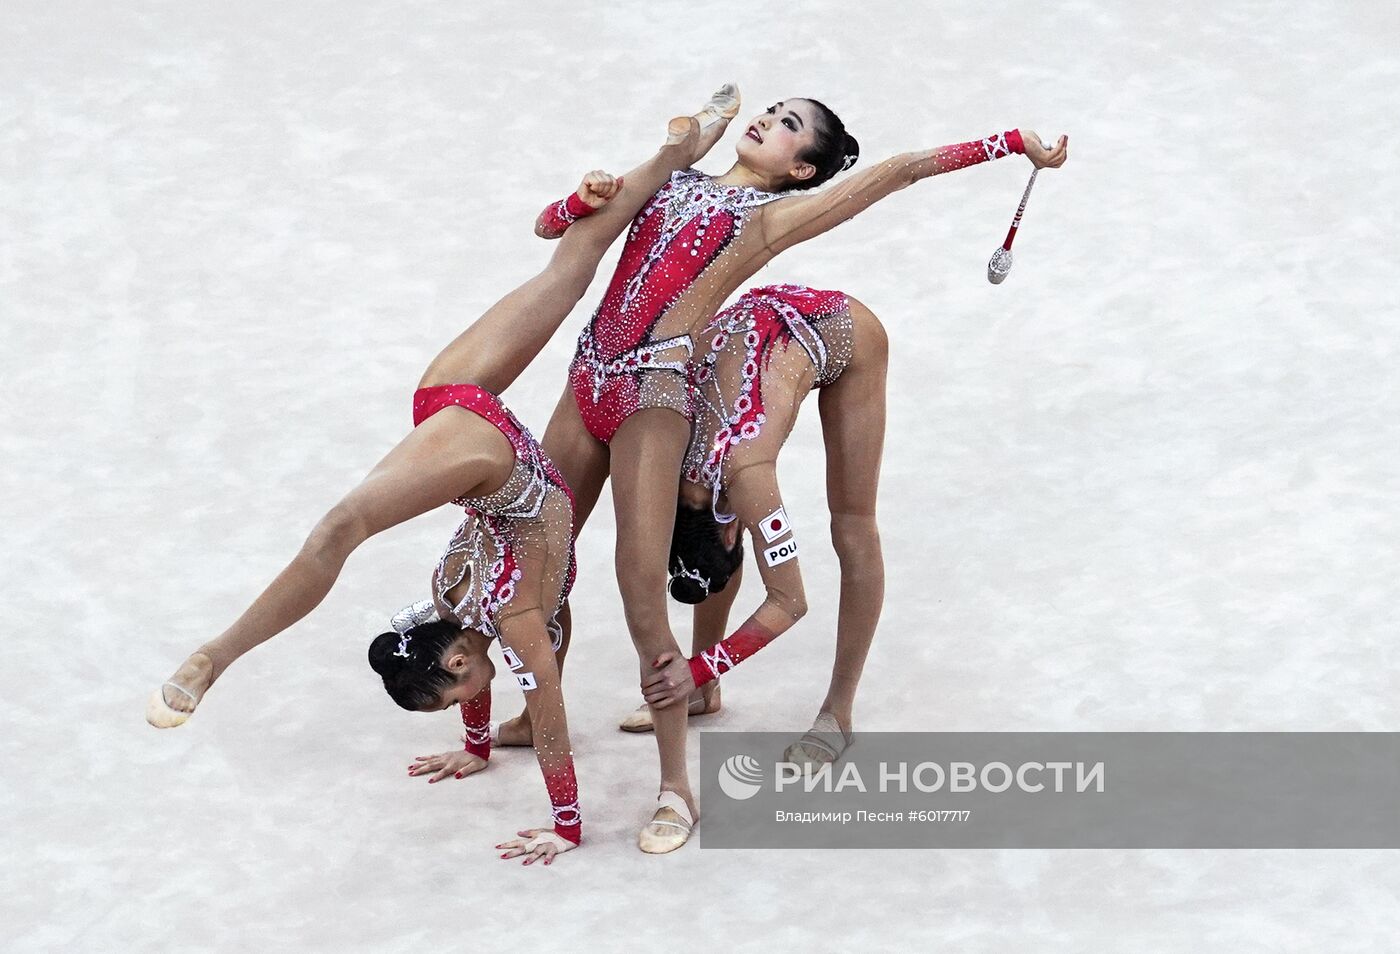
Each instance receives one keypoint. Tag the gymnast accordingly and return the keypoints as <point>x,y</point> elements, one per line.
<point>508,569</point>
<point>628,408</point>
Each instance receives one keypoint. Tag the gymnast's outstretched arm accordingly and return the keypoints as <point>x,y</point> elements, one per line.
<point>796,219</point>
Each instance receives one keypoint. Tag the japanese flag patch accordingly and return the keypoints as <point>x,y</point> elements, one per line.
<point>512,660</point>
<point>775,525</point>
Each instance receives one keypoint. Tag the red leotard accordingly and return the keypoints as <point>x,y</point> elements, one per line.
<point>800,335</point>
<point>515,541</point>
<point>620,366</point>
<point>507,528</point>
<point>690,247</point>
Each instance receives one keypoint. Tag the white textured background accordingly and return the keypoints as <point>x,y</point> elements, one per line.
<point>1149,483</point>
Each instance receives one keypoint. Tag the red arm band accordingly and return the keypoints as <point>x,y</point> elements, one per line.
<point>558,216</point>
<point>981,150</point>
<point>729,652</point>
<point>563,799</point>
<point>476,718</point>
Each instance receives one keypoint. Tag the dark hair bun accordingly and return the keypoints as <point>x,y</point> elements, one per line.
<point>408,663</point>
<point>685,590</point>
<point>852,151</point>
<point>383,647</point>
<point>700,564</point>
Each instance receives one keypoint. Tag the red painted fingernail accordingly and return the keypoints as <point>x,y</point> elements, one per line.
<point>459,774</point>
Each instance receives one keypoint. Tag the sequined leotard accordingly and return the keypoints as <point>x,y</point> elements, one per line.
<point>691,247</point>
<point>763,355</point>
<point>520,536</point>
<point>515,552</point>
<point>622,364</point>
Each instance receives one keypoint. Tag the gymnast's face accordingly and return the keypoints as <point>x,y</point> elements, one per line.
<point>470,665</point>
<point>772,143</point>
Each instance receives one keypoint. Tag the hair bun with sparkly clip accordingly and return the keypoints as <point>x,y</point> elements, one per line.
<point>852,151</point>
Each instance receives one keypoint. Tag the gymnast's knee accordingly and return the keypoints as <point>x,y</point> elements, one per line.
<point>855,537</point>
<point>337,534</point>
<point>573,265</point>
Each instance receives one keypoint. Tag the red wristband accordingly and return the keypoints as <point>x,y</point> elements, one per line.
<point>558,216</point>
<point>563,799</point>
<point>577,207</point>
<point>476,721</point>
<point>963,154</point>
<point>729,652</point>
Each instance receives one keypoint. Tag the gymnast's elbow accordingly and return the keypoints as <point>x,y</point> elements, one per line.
<point>906,169</point>
<point>791,606</point>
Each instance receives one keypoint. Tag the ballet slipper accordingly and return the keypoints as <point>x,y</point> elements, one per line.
<point>640,719</point>
<point>669,827</point>
<point>722,107</point>
<point>825,742</point>
<point>161,714</point>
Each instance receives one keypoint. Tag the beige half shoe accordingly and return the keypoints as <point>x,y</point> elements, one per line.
<point>639,720</point>
<point>161,714</point>
<point>824,742</point>
<point>723,105</point>
<point>669,828</point>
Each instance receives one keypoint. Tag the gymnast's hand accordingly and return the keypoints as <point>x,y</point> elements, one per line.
<point>537,844</point>
<point>456,764</point>
<point>598,188</point>
<point>1041,157</point>
<point>669,681</point>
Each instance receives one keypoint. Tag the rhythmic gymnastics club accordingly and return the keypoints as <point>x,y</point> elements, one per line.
<point>1000,265</point>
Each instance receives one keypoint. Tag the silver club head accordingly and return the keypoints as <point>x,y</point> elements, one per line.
<point>1000,266</point>
<point>415,614</point>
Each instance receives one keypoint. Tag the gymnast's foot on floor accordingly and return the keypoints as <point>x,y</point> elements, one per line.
<point>670,825</point>
<point>825,742</point>
<point>704,701</point>
<point>175,701</point>
<point>514,732</point>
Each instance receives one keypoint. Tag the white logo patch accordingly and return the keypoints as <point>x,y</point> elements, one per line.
<point>782,553</point>
<point>512,660</point>
<point>775,525</point>
<point>526,680</point>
